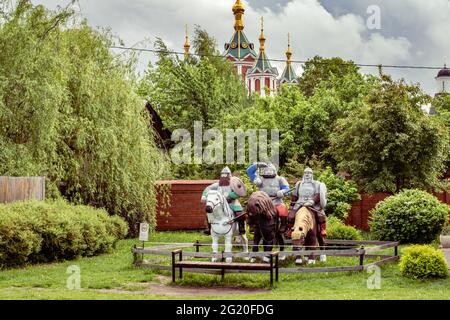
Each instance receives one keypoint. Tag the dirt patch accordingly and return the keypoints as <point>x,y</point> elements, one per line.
<point>162,288</point>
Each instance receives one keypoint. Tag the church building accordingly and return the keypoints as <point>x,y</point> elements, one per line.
<point>255,69</point>
<point>443,81</point>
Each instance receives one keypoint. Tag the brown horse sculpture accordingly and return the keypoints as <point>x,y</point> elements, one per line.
<point>305,233</point>
<point>263,219</point>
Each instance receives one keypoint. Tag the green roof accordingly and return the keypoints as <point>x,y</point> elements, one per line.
<point>239,47</point>
<point>288,75</point>
<point>263,65</point>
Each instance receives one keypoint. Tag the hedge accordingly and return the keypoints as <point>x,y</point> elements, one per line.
<point>39,232</point>
<point>337,230</point>
<point>412,216</point>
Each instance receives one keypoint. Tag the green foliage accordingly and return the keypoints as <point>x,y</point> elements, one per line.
<point>304,123</point>
<point>299,123</point>
<point>294,169</point>
<point>320,70</point>
<point>412,216</point>
<point>33,232</point>
<point>337,230</point>
<point>390,144</point>
<point>341,194</point>
<point>422,262</point>
<point>185,91</point>
<point>251,188</point>
<point>68,111</point>
<point>30,89</point>
<point>442,106</point>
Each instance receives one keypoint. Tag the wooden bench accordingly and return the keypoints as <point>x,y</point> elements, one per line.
<point>180,264</point>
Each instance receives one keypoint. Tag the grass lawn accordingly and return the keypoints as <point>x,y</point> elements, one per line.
<point>112,276</point>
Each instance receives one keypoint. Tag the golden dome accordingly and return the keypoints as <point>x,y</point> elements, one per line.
<point>289,52</point>
<point>262,38</point>
<point>187,45</point>
<point>238,11</point>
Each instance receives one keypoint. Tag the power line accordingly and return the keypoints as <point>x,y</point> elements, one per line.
<point>277,60</point>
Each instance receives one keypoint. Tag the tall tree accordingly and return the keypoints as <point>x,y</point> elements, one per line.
<point>69,111</point>
<point>304,124</point>
<point>390,144</point>
<point>318,69</point>
<point>203,87</point>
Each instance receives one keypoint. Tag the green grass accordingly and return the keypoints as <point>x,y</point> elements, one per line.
<point>114,271</point>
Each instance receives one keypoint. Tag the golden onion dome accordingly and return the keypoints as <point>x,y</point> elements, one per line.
<point>238,11</point>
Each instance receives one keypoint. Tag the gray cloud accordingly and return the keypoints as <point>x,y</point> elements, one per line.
<point>275,6</point>
<point>414,32</point>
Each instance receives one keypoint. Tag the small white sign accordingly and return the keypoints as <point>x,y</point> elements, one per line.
<point>143,231</point>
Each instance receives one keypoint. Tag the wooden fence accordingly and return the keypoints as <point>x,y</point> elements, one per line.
<point>14,189</point>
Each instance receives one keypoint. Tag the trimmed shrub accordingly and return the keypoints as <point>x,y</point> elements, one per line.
<point>36,232</point>
<point>412,216</point>
<point>337,230</point>
<point>422,262</point>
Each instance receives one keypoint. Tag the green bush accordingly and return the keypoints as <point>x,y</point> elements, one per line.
<point>35,232</point>
<point>341,194</point>
<point>423,261</point>
<point>412,216</point>
<point>337,230</point>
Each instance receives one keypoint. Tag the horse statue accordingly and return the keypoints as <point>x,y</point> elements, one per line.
<point>263,219</point>
<point>305,233</point>
<point>223,223</point>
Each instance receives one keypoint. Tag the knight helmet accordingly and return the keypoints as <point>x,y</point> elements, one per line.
<point>270,171</point>
<point>225,172</point>
<point>308,171</point>
<point>225,176</point>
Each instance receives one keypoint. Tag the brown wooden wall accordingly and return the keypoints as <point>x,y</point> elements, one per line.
<point>21,188</point>
<point>359,215</point>
<point>187,213</point>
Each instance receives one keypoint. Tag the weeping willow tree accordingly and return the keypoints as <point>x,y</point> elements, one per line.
<point>69,111</point>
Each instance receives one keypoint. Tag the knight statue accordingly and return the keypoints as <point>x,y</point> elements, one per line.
<point>311,194</point>
<point>276,187</point>
<point>232,188</point>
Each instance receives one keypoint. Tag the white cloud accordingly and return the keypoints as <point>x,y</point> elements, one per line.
<point>379,49</point>
<point>419,31</point>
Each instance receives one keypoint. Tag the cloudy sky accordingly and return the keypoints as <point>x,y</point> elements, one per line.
<point>412,32</point>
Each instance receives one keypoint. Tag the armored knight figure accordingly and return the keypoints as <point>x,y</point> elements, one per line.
<point>276,187</point>
<point>232,188</point>
<point>312,194</point>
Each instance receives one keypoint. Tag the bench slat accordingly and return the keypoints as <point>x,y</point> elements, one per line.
<point>222,265</point>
